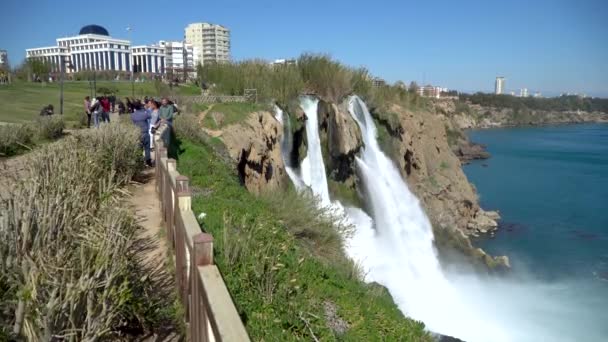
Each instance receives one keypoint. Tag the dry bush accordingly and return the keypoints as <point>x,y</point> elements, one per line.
<point>15,138</point>
<point>70,252</point>
<point>50,127</point>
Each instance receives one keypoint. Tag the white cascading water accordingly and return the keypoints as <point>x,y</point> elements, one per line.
<point>312,168</point>
<point>401,255</point>
<point>396,250</point>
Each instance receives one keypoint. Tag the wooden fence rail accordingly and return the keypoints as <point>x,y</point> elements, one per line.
<point>210,312</point>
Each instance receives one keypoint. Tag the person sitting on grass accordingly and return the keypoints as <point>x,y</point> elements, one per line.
<point>48,110</point>
<point>141,118</point>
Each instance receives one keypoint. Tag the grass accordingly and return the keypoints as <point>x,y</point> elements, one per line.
<point>22,101</point>
<point>226,114</point>
<point>281,264</point>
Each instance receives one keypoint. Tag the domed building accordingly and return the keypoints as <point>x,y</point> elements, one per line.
<point>94,49</point>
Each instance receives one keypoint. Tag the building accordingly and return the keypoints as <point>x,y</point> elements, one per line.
<point>499,87</point>
<point>91,49</point>
<point>149,59</point>
<point>3,59</point>
<point>211,41</point>
<point>431,91</point>
<point>378,82</point>
<point>523,92</point>
<point>179,57</point>
<point>284,62</point>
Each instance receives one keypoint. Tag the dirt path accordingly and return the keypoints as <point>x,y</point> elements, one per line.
<point>212,132</point>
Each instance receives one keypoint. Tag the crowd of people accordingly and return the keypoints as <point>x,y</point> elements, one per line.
<point>147,115</point>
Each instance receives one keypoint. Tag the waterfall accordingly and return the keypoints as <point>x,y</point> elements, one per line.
<point>395,248</point>
<point>286,147</point>
<point>313,167</point>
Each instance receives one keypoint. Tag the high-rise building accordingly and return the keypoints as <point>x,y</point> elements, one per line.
<point>91,49</point>
<point>212,42</point>
<point>523,92</point>
<point>3,59</point>
<point>499,86</point>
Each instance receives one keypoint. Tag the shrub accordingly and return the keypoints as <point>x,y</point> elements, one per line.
<point>15,138</point>
<point>50,127</point>
<point>70,249</point>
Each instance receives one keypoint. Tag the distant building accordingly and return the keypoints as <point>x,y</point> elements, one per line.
<point>179,57</point>
<point>499,86</point>
<point>211,41</point>
<point>3,59</point>
<point>523,92</point>
<point>431,91</point>
<point>91,49</point>
<point>284,62</point>
<point>149,59</point>
<point>538,94</point>
<point>378,82</point>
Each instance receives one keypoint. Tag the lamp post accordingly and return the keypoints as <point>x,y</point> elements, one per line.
<point>132,60</point>
<point>62,66</point>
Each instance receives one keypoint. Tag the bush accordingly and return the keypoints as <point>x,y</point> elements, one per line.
<point>71,256</point>
<point>15,138</point>
<point>50,127</point>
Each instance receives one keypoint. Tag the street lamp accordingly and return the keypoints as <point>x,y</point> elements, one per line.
<point>131,62</point>
<point>62,67</point>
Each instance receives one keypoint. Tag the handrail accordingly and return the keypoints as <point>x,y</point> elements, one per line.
<point>209,309</point>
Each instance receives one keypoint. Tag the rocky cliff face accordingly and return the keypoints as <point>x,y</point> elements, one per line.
<point>255,148</point>
<point>416,141</point>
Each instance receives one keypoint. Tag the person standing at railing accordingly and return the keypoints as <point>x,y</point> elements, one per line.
<point>166,112</point>
<point>141,118</point>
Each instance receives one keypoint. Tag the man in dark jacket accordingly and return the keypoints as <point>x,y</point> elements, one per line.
<point>141,119</point>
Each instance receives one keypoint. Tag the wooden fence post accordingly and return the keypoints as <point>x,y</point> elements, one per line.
<point>203,249</point>
<point>182,188</point>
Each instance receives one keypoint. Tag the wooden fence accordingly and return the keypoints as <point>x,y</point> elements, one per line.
<point>210,312</point>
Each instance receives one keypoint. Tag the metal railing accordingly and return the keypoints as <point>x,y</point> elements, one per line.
<point>209,309</point>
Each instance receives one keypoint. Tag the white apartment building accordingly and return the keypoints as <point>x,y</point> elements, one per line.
<point>180,56</point>
<point>523,92</point>
<point>499,86</point>
<point>212,42</point>
<point>91,49</point>
<point>149,59</point>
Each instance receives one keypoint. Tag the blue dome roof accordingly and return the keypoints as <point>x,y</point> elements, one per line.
<point>94,29</point>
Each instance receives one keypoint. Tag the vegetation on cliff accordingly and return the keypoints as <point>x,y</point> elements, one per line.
<point>558,104</point>
<point>282,259</point>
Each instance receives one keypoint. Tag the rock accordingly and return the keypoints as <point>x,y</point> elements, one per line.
<point>255,148</point>
<point>467,151</point>
<point>483,222</point>
<point>344,135</point>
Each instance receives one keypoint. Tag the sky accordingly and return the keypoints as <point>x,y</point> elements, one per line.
<point>548,46</point>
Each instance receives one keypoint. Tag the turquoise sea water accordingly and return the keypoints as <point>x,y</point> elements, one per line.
<point>550,185</point>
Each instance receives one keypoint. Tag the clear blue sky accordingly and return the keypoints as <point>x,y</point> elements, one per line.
<point>550,46</point>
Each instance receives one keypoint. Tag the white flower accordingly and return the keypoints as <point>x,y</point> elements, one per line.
<point>201,216</point>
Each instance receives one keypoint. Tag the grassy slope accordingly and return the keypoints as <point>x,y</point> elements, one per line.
<point>280,289</point>
<point>22,101</point>
<point>231,113</point>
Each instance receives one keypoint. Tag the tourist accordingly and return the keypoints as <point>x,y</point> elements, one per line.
<point>153,110</point>
<point>96,111</point>
<point>87,110</point>
<point>105,105</point>
<point>142,120</point>
<point>121,107</point>
<point>47,110</point>
<point>112,100</point>
<point>165,112</point>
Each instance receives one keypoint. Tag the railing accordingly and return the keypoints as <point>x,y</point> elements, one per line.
<point>210,312</point>
<point>214,99</point>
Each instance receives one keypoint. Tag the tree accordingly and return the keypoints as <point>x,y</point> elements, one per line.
<point>413,87</point>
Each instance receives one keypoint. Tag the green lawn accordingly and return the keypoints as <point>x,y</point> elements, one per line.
<point>22,101</point>
<point>231,113</point>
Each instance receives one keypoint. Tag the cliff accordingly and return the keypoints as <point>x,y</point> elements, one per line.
<point>417,141</point>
